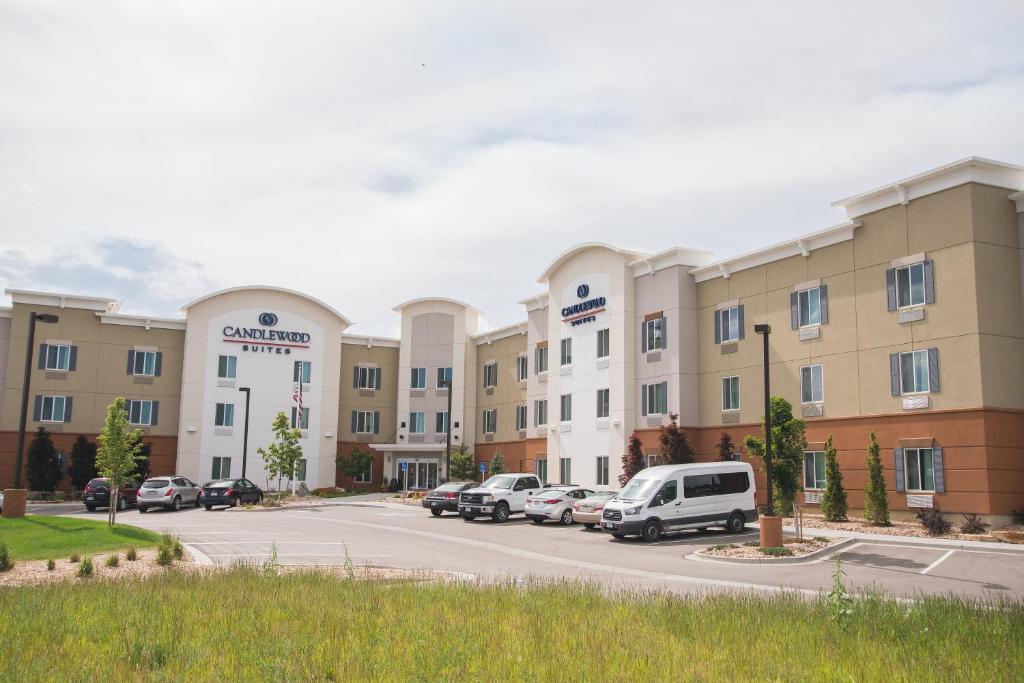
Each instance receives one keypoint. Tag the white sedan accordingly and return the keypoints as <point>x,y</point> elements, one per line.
<point>555,502</point>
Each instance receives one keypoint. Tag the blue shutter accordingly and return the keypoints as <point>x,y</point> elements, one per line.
<point>929,282</point>
<point>890,287</point>
<point>376,422</point>
<point>933,370</point>
<point>894,374</point>
<point>794,310</point>
<point>37,411</point>
<point>355,377</point>
<point>901,480</point>
<point>354,425</point>
<point>159,363</point>
<point>739,314</point>
<point>663,326</point>
<point>73,359</point>
<point>937,471</point>
<point>67,409</point>
<point>42,356</point>
<point>823,303</point>
<point>154,413</point>
<point>643,399</point>
<point>376,379</point>
<point>131,362</point>
<point>718,327</point>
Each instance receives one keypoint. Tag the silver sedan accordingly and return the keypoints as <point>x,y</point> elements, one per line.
<point>555,503</point>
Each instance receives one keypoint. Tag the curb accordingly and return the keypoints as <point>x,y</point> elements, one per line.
<point>803,559</point>
<point>201,558</point>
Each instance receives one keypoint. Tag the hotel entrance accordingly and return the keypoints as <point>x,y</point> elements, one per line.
<point>414,475</point>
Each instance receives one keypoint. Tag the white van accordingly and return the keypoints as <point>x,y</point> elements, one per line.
<point>670,498</point>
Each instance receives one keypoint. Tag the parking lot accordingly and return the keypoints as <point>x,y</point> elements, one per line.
<point>381,534</point>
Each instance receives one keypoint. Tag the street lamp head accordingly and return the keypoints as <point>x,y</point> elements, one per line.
<point>763,328</point>
<point>46,317</point>
<point>245,389</point>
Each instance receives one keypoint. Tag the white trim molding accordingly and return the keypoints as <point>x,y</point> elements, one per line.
<point>499,333</point>
<point>370,342</point>
<point>674,256</point>
<point>535,303</point>
<point>1018,198</point>
<point>58,300</point>
<point>142,321</point>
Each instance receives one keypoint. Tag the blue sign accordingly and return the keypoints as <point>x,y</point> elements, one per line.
<point>583,291</point>
<point>268,319</point>
<point>483,467</point>
<point>405,466</point>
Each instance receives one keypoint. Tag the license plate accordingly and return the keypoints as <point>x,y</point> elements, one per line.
<point>610,525</point>
<point>433,505</point>
<point>584,508</point>
<point>88,498</point>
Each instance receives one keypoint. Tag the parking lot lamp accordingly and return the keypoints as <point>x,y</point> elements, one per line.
<point>245,431</point>
<point>33,318</point>
<point>448,434</point>
<point>765,331</point>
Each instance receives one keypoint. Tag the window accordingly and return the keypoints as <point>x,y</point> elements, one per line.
<point>224,415</point>
<point>812,387</point>
<point>143,363</point>
<point>910,286</point>
<point>603,342</point>
<point>490,421</point>
<point>809,307</point>
<point>651,459</point>
<point>301,368</point>
<point>652,335</point>
<point>365,421</point>
<point>540,413</point>
<point>730,393</point>
<point>444,377</point>
<point>521,417</point>
<point>602,470</point>
<point>602,402</point>
<point>729,324</point>
<point>914,375</point>
<point>541,359</point>
<point>140,412</point>
<point>565,470</point>
<point>367,378</point>
<point>227,367</point>
<point>441,423</point>
<point>721,484</point>
<point>491,375</point>
<point>669,492</point>
<point>521,370</point>
<point>305,418</point>
<point>920,469</point>
<point>56,357</point>
<point>540,468</point>
<point>52,409</point>
<point>366,476</point>
<point>567,351</point>
<point>417,423</point>
<point>566,412</point>
<point>418,378</point>
<point>654,399</point>
<point>221,468</point>
<point>814,470</point>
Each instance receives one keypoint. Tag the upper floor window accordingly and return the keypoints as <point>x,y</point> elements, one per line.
<point>521,368</point>
<point>224,415</point>
<point>812,384</point>
<point>731,393</point>
<point>540,412</point>
<point>144,363</point>
<point>602,470</point>
<point>303,369</point>
<point>814,470</point>
<point>809,307</point>
<point>142,412</point>
<point>444,378</point>
<point>53,409</point>
<point>566,414</point>
<point>227,367</point>
<point>567,351</point>
<point>418,378</point>
<point>603,343</point>
<point>540,362</point>
<point>520,417</point>
<point>602,402</point>
<point>304,422</point>
<point>491,374</point>
<point>912,285</point>
<point>56,357</point>
<point>914,372</point>
<point>417,425</point>
<point>490,421</point>
<point>366,421</point>
<point>654,399</point>
<point>652,334</point>
<point>441,423</point>
<point>729,324</point>
<point>366,378</point>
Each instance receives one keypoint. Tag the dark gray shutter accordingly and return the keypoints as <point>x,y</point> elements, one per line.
<point>894,373</point>
<point>37,411</point>
<point>739,315</point>
<point>355,377</point>
<point>933,370</point>
<point>376,378</point>
<point>823,303</point>
<point>154,412</point>
<point>718,327</point>
<point>42,356</point>
<point>937,471</point>
<point>901,480</point>
<point>929,282</point>
<point>159,363</point>
<point>794,310</point>
<point>376,422</point>
<point>73,359</point>
<point>67,409</point>
<point>643,336</point>
<point>354,422</point>
<point>663,326</point>
<point>890,287</point>
<point>131,362</point>
<point>643,399</point>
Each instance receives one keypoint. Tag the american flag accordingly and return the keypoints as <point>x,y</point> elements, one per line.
<point>297,397</point>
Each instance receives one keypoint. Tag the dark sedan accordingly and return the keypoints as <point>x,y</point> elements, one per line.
<point>229,493</point>
<point>445,498</point>
<point>96,494</point>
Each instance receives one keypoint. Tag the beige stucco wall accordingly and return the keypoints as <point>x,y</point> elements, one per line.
<point>507,393</point>
<point>383,400</point>
<point>5,347</point>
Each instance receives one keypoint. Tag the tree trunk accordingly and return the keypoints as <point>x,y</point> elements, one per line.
<point>112,514</point>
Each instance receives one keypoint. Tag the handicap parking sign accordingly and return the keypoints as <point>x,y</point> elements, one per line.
<point>405,466</point>
<point>483,467</point>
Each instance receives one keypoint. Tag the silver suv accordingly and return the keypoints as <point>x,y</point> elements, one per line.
<point>170,493</point>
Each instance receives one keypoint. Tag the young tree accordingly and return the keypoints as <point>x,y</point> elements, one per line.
<point>632,459</point>
<point>788,444</point>
<point>83,462</point>
<point>117,452</point>
<point>142,470</point>
<point>675,448</point>
<point>43,463</point>
<point>876,501</point>
<point>355,463</point>
<point>462,465</point>
<point>725,447</point>
<point>498,463</point>
<point>282,456</point>
<point>833,502</point>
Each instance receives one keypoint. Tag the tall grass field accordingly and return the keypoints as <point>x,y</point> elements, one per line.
<point>245,624</point>
<point>37,537</point>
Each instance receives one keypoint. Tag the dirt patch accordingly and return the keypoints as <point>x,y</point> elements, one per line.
<point>35,573</point>
<point>751,550</point>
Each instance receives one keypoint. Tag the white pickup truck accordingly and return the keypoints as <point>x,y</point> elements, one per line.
<point>499,496</point>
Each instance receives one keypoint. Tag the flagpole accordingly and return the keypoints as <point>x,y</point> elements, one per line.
<point>298,418</point>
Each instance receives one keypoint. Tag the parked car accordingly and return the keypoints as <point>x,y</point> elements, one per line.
<point>670,498</point>
<point>555,502</point>
<point>1,502</point>
<point>170,493</point>
<point>230,493</point>
<point>96,494</point>
<point>499,496</point>
<point>589,510</point>
<point>445,498</point>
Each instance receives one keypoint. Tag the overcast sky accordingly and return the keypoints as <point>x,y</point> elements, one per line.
<point>373,152</point>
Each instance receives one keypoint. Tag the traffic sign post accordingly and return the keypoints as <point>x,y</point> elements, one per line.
<point>483,470</point>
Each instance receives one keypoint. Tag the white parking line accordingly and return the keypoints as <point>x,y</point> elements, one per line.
<point>936,563</point>
<point>221,543</point>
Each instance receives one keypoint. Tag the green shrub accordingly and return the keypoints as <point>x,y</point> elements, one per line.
<point>74,558</point>
<point>6,563</point>
<point>85,568</point>
<point>933,521</point>
<point>164,556</point>
<point>833,500</point>
<point>876,500</point>
<point>724,546</point>
<point>113,560</point>
<point>131,554</point>
<point>752,544</point>
<point>50,565</point>
<point>178,549</point>
<point>821,539</point>
<point>777,552</point>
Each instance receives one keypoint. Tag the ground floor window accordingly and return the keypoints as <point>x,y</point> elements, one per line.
<point>540,468</point>
<point>565,470</point>
<point>301,470</point>
<point>221,468</point>
<point>920,469</point>
<point>651,459</point>
<point>814,470</point>
<point>602,470</point>
<point>366,476</point>
<point>304,423</point>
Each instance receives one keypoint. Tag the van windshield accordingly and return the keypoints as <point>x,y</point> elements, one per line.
<point>639,489</point>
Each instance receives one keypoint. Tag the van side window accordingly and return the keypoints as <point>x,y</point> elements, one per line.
<point>669,492</point>
<point>699,485</point>
<point>732,482</point>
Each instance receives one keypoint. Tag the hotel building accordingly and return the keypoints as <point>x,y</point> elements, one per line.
<point>905,319</point>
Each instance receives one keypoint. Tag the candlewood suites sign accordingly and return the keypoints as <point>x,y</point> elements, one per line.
<point>263,339</point>
<point>584,311</point>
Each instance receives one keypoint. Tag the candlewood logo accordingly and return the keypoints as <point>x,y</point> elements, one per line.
<point>260,338</point>
<point>268,319</point>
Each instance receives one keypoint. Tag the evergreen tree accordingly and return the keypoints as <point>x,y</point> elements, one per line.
<point>876,501</point>
<point>833,502</point>
<point>788,445</point>
<point>142,470</point>
<point>463,468</point>
<point>43,463</point>
<point>632,460</point>
<point>83,463</point>
<point>498,463</point>
<point>117,452</point>
<point>281,458</point>
<point>675,449</point>
<point>725,447</point>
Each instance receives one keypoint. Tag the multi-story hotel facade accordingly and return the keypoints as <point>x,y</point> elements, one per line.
<point>906,319</point>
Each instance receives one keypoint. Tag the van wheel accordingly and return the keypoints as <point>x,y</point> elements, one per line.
<point>500,513</point>
<point>566,519</point>
<point>651,532</point>
<point>735,524</point>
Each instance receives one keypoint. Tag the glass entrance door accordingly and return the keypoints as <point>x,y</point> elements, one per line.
<point>417,475</point>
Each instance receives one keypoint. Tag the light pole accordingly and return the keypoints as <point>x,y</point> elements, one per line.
<point>771,526</point>
<point>33,318</point>
<point>448,434</point>
<point>245,431</point>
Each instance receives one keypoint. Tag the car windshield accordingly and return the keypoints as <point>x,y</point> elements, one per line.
<point>550,492</point>
<point>450,487</point>
<point>639,489</point>
<point>155,484</point>
<point>604,495</point>
<point>499,482</point>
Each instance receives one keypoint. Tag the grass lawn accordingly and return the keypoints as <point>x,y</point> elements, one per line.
<point>310,626</point>
<point>37,537</point>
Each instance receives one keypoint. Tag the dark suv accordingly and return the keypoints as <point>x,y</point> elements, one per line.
<point>96,494</point>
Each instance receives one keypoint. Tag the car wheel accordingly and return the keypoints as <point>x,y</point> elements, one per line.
<point>566,519</point>
<point>588,525</point>
<point>122,504</point>
<point>197,503</point>
<point>537,520</point>
<point>735,524</point>
<point>234,502</point>
<point>176,505</point>
<point>208,507</point>
<point>469,518</point>
<point>500,513</point>
<point>651,531</point>
<point>436,512</point>
<point>90,508</point>
<point>142,509</point>
<point>619,536</point>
